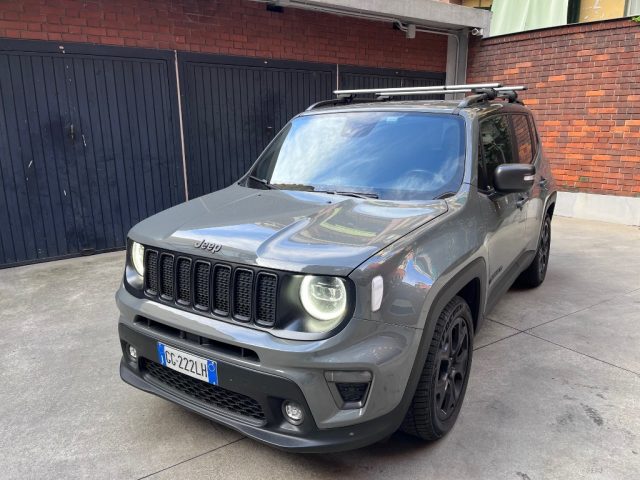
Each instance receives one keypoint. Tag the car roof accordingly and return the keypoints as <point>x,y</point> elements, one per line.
<point>424,106</point>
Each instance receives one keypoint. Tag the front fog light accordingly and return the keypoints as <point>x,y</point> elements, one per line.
<point>324,298</point>
<point>133,353</point>
<point>137,258</point>
<point>292,412</point>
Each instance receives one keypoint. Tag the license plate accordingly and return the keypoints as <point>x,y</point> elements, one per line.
<point>189,364</point>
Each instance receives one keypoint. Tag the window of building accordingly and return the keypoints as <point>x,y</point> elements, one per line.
<point>511,17</point>
<point>581,11</point>
<point>484,4</point>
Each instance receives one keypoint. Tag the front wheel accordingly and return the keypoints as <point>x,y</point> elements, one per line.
<point>443,381</point>
<point>535,273</point>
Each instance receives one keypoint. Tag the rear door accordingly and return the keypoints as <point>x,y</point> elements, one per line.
<point>529,152</point>
<point>506,218</point>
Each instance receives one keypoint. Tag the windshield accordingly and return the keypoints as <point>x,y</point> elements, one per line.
<point>387,155</point>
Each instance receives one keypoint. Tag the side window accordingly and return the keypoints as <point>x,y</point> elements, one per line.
<point>496,146</point>
<point>523,138</point>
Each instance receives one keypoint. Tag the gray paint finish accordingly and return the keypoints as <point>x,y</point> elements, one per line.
<point>425,252</point>
<point>531,407</point>
<point>287,230</point>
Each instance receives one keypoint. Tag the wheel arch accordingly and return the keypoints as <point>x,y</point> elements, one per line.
<point>470,283</point>
<point>551,204</point>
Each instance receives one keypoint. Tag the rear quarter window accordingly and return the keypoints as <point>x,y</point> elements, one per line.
<point>522,132</point>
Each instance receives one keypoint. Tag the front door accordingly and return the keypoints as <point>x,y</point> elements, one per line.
<point>506,217</point>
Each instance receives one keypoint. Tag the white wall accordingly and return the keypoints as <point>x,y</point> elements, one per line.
<point>606,208</point>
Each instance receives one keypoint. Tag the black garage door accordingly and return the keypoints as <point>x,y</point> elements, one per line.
<point>232,107</point>
<point>89,145</point>
<point>90,139</point>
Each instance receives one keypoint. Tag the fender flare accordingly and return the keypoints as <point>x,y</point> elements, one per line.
<point>476,269</point>
<point>551,200</point>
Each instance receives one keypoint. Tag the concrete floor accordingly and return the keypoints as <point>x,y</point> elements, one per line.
<point>554,390</point>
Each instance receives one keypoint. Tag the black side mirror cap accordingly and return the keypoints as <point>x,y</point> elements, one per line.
<point>514,177</point>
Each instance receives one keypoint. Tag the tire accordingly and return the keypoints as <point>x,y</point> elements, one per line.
<point>443,381</point>
<point>535,273</point>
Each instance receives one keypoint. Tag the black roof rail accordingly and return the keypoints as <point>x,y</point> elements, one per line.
<point>344,100</point>
<point>481,95</point>
<point>488,94</point>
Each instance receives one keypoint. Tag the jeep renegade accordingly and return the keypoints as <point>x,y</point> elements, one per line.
<point>331,295</point>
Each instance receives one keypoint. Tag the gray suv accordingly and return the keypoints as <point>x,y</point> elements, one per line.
<point>330,297</point>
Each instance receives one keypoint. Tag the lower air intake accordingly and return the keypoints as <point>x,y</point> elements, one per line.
<point>352,392</point>
<point>207,394</point>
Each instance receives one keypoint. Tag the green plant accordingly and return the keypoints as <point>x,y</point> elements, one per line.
<point>636,19</point>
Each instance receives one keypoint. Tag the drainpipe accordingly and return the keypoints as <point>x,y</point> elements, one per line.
<point>457,53</point>
<point>457,49</point>
<point>457,45</point>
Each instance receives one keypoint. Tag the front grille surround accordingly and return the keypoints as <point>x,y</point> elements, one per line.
<point>243,294</point>
<point>239,293</point>
<point>201,284</point>
<point>183,280</point>
<point>221,289</point>
<point>166,276</point>
<point>151,272</point>
<point>266,295</point>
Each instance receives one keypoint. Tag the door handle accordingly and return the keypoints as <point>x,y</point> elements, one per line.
<point>521,201</point>
<point>544,182</point>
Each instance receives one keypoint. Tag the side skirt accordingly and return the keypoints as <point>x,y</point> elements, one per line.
<point>506,280</point>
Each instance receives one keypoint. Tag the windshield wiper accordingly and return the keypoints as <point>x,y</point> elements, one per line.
<point>262,181</point>
<point>349,194</point>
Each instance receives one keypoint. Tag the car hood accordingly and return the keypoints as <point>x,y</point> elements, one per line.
<point>288,230</point>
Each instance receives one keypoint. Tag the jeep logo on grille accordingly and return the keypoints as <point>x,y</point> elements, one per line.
<point>208,246</point>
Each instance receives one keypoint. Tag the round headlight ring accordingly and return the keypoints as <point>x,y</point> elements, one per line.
<point>137,257</point>
<point>324,298</point>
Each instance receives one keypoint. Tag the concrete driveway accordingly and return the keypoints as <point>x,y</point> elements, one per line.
<point>554,390</point>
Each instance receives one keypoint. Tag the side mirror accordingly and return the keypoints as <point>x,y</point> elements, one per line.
<point>514,177</point>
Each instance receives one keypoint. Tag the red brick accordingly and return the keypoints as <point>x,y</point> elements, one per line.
<point>583,81</point>
<point>228,26</point>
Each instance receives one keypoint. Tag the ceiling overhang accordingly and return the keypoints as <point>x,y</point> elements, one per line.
<point>422,13</point>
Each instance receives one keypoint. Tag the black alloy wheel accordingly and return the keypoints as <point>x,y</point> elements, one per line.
<point>535,273</point>
<point>544,247</point>
<point>453,366</point>
<point>443,381</point>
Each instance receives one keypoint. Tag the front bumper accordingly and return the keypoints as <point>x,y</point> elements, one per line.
<point>277,370</point>
<point>268,390</point>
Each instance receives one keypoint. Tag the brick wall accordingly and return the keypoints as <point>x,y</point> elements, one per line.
<point>229,27</point>
<point>584,85</point>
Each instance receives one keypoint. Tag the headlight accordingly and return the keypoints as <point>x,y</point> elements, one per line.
<point>325,299</point>
<point>137,257</point>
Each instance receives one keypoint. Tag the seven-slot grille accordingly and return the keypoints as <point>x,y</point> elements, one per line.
<point>210,287</point>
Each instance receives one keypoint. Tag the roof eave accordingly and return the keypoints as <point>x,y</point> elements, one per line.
<point>423,13</point>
